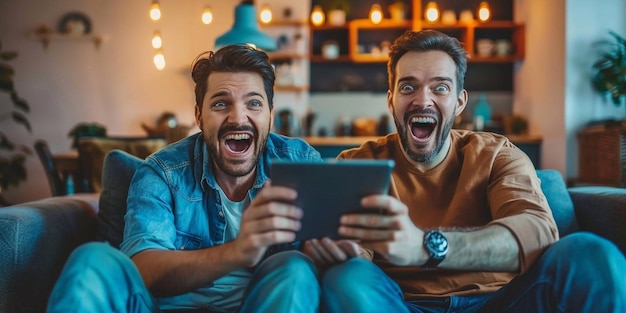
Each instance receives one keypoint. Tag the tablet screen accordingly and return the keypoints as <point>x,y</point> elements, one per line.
<point>327,190</point>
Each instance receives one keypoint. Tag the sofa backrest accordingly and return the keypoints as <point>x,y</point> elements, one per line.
<point>555,190</point>
<point>119,168</point>
<point>117,171</point>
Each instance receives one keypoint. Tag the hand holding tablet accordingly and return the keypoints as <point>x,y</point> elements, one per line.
<point>327,190</point>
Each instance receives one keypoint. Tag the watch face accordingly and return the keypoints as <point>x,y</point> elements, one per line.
<point>437,244</point>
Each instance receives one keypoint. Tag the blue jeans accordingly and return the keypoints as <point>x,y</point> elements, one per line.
<point>100,278</point>
<point>579,273</point>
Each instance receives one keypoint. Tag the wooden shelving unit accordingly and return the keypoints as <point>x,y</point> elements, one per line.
<point>467,33</point>
<point>46,38</point>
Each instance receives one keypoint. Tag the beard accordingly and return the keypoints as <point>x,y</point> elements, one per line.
<point>421,157</point>
<point>236,168</point>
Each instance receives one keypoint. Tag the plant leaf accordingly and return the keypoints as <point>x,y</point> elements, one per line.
<point>19,102</point>
<point>8,55</point>
<point>5,143</point>
<point>21,119</point>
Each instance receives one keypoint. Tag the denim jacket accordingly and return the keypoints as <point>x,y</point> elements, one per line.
<point>174,202</point>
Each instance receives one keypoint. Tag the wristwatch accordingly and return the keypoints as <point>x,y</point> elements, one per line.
<point>437,246</point>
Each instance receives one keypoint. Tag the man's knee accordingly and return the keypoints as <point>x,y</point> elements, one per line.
<point>97,254</point>
<point>291,264</point>
<point>343,275</point>
<point>591,257</point>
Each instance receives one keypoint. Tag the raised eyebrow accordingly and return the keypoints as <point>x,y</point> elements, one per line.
<point>220,94</point>
<point>406,79</point>
<point>441,78</point>
<point>254,93</point>
<point>226,93</point>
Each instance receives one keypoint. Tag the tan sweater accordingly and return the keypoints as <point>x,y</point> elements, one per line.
<point>484,180</point>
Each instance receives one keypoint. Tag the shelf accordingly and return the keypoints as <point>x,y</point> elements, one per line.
<point>46,38</point>
<point>294,88</point>
<point>284,56</point>
<point>289,23</point>
<point>321,59</point>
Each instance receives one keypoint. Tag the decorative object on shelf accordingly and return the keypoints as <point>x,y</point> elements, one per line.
<point>484,12</point>
<point>207,15</point>
<point>431,13</point>
<point>245,30</point>
<point>482,113</point>
<point>86,130</point>
<point>503,47</point>
<point>75,23</point>
<point>376,13</point>
<point>337,11</point>
<point>448,17</point>
<point>330,49</point>
<point>317,16</point>
<point>610,75</point>
<point>155,11</point>
<point>484,47</point>
<point>466,17</point>
<point>397,10</point>
<point>12,167</point>
<point>166,120</point>
<point>265,15</point>
<point>515,124</point>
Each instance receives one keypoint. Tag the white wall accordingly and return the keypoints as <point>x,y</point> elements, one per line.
<point>540,78</point>
<point>587,23</point>
<point>553,82</point>
<point>116,85</point>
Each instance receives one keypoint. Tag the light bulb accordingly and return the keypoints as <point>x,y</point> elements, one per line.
<point>159,60</point>
<point>432,12</point>
<point>157,42</point>
<point>317,16</point>
<point>484,13</point>
<point>155,11</point>
<point>376,13</point>
<point>265,15</point>
<point>207,16</point>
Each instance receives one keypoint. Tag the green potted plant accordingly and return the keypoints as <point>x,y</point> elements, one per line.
<point>610,68</point>
<point>13,158</point>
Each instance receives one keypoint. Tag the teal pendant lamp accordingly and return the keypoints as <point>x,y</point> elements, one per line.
<point>246,30</point>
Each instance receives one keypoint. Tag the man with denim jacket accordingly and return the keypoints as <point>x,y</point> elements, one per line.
<point>204,224</point>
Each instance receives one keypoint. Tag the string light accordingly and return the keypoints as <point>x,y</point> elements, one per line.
<point>376,13</point>
<point>317,16</point>
<point>159,60</point>
<point>157,42</point>
<point>207,16</point>
<point>484,13</point>
<point>155,11</point>
<point>432,12</point>
<point>265,15</point>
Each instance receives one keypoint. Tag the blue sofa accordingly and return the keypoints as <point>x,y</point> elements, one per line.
<point>37,237</point>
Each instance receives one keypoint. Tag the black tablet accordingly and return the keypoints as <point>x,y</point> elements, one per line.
<point>327,190</point>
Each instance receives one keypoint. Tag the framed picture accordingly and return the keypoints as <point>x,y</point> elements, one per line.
<point>75,23</point>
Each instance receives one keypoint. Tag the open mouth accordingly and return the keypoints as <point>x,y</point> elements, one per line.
<point>422,127</point>
<point>238,143</point>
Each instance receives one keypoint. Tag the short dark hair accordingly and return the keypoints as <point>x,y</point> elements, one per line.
<point>427,40</point>
<point>232,59</point>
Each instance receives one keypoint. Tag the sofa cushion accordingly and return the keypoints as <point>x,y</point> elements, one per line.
<point>602,210</point>
<point>118,169</point>
<point>553,187</point>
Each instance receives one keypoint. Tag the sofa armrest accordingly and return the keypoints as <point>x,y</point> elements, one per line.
<point>601,210</point>
<point>36,239</point>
